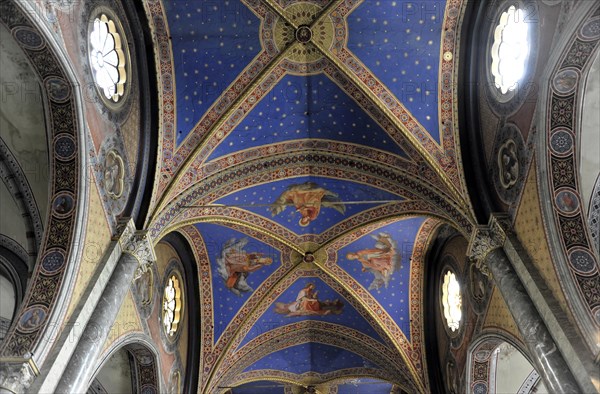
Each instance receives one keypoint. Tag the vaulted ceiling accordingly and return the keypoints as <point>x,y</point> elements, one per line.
<point>309,146</point>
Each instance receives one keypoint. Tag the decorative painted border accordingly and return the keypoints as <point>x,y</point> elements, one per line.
<point>313,378</point>
<point>212,351</point>
<point>269,73</point>
<point>230,358</point>
<point>324,164</point>
<point>170,155</point>
<point>145,362</point>
<point>530,383</point>
<point>414,351</point>
<point>594,215</point>
<point>576,262</point>
<point>14,247</point>
<point>312,331</point>
<point>210,356</point>
<point>266,294</point>
<point>447,158</point>
<point>57,257</point>
<point>221,214</point>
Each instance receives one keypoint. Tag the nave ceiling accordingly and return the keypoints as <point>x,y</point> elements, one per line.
<point>275,190</point>
<point>317,142</point>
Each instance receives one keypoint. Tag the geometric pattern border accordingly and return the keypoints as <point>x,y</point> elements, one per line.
<point>561,136</point>
<point>55,251</point>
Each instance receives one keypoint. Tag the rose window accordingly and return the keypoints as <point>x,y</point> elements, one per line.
<point>172,305</point>
<point>451,301</point>
<point>510,50</point>
<point>107,58</point>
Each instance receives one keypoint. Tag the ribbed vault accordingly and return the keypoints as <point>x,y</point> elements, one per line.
<point>308,177</point>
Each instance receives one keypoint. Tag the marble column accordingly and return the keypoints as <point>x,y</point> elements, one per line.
<point>137,252</point>
<point>544,352</point>
<point>486,248</point>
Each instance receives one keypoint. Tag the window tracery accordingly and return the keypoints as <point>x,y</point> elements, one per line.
<point>172,305</point>
<point>510,50</point>
<point>108,58</point>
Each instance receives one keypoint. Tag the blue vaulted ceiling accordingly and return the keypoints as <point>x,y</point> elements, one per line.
<point>301,107</point>
<point>213,42</point>
<point>319,241</point>
<point>399,41</point>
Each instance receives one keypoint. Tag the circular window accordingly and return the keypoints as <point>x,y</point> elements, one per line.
<point>172,305</point>
<point>108,58</point>
<point>451,301</point>
<point>510,50</point>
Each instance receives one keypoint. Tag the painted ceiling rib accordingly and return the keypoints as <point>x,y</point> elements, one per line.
<point>317,379</point>
<point>194,218</point>
<point>223,184</point>
<point>164,199</point>
<point>240,223</point>
<point>244,322</point>
<point>384,361</point>
<point>411,138</point>
<point>322,266</point>
<point>367,92</point>
<point>405,357</point>
<point>280,12</point>
<point>177,203</point>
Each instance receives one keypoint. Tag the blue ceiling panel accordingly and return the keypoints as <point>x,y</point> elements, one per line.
<point>212,41</point>
<point>312,356</point>
<point>278,201</point>
<point>281,311</point>
<point>301,107</point>
<point>227,250</point>
<point>400,44</point>
<point>391,288</point>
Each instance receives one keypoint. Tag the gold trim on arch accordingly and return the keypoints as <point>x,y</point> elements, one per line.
<point>217,219</point>
<point>374,100</point>
<point>182,170</point>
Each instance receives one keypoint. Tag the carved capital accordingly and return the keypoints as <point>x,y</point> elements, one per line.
<point>140,247</point>
<point>137,244</point>
<point>16,377</point>
<point>125,230</point>
<point>485,239</point>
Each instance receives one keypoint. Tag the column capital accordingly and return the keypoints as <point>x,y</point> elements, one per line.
<point>136,243</point>
<point>140,246</point>
<point>485,239</point>
<point>16,377</point>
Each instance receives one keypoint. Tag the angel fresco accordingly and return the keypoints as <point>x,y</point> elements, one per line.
<point>307,303</point>
<point>381,261</point>
<point>235,264</point>
<point>307,198</point>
